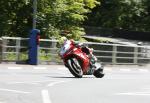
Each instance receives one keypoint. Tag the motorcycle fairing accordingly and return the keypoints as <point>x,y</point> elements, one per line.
<point>83,57</point>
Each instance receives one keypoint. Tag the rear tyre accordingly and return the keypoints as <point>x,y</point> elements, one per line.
<point>98,73</point>
<point>74,67</point>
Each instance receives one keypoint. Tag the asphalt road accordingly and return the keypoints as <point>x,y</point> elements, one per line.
<point>55,84</point>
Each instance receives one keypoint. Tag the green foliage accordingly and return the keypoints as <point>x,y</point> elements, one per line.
<point>44,55</point>
<point>125,14</point>
<point>56,16</point>
<point>15,17</point>
<point>53,17</point>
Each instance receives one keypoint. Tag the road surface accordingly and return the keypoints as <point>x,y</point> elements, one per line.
<point>55,84</point>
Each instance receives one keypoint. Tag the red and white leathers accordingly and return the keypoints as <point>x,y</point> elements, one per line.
<point>85,49</point>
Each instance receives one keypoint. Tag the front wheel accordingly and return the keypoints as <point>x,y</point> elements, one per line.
<point>74,67</point>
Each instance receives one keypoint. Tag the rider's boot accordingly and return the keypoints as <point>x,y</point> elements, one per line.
<point>93,67</point>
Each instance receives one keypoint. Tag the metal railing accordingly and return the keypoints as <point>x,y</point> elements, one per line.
<point>16,49</point>
<point>121,54</point>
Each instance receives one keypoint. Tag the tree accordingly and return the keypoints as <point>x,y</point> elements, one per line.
<point>53,17</point>
<point>15,17</point>
<point>124,14</point>
<point>145,15</point>
<point>56,16</point>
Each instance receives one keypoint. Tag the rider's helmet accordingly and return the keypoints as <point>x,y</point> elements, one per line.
<point>62,40</point>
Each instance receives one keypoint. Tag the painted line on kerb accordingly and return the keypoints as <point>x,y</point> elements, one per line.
<point>15,68</point>
<point>45,96</point>
<point>14,91</point>
<point>63,68</point>
<point>107,69</point>
<point>135,93</point>
<point>125,70</point>
<point>40,68</point>
<point>147,88</point>
<point>143,70</point>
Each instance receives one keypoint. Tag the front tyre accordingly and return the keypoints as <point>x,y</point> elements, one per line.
<point>74,67</point>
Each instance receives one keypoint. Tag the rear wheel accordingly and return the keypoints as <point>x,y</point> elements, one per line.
<point>74,66</point>
<point>98,73</point>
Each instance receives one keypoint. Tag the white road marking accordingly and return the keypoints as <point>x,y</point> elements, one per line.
<point>143,70</point>
<point>45,96</point>
<point>135,93</point>
<point>14,67</point>
<point>63,68</point>
<point>39,68</point>
<point>31,82</point>
<point>147,88</point>
<point>126,70</point>
<point>15,91</point>
<point>61,73</point>
<point>22,83</point>
<point>57,82</point>
<point>107,69</point>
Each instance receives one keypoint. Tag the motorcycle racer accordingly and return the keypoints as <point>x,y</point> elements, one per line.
<point>85,49</point>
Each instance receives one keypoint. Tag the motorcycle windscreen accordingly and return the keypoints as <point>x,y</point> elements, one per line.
<point>65,47</point>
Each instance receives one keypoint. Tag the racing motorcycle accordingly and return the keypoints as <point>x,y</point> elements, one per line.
<point>78,62</point>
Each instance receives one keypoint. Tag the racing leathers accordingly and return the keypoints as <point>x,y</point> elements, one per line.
<point>87,50</point>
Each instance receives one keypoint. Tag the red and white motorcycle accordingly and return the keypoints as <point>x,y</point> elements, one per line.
<point>78,61</point>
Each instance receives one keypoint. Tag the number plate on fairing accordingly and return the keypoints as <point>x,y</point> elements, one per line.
<point>65,48</point>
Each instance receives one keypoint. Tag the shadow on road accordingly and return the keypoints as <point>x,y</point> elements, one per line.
<point>68,77</point>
